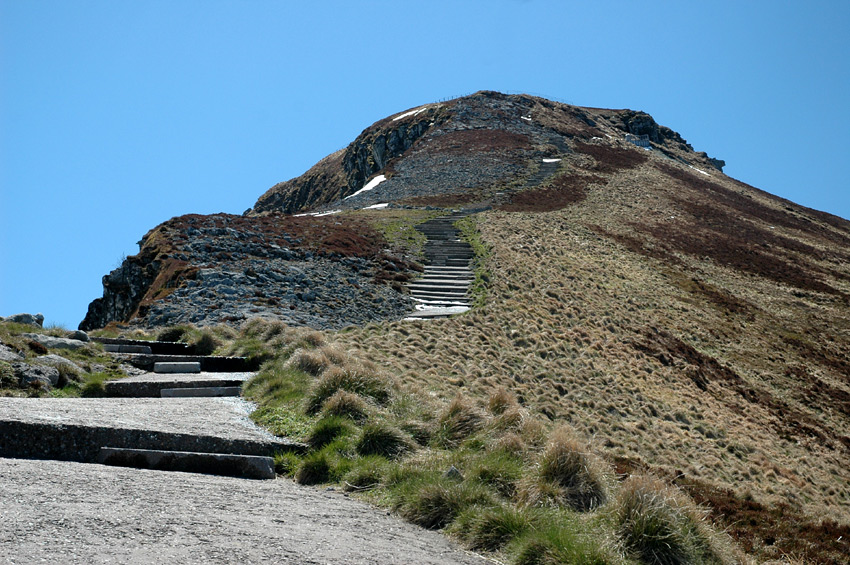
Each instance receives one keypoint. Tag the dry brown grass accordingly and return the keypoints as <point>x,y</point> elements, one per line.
<point>570,312</point>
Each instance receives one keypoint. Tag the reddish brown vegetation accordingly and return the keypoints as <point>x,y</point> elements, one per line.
<point>771,531</point>
<point>343,235</point>
<point>766,531</point>
<point>720,228</point>
<point>564,190</point>
<point>476,140</point>
<point>746,206</point>
<point>612,159</point>
<point>710,376</point>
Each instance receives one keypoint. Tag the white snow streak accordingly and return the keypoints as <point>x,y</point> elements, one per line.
<point>369,186</point>
<point>411,113</point>
<point>377,206</point>
<point>551,160</point>
<point>699,171</point>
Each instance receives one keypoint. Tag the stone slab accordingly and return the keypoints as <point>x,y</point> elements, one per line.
<point>150,385</point>
<point>201,392</point>
<point>111,348</point>
<point>228,465</point>
<point>74,429</point>
<point>177,367</point>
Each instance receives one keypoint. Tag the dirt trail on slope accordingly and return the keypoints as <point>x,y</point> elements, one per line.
<point>64,512</point>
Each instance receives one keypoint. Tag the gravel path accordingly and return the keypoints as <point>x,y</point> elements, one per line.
<point>61,512</point>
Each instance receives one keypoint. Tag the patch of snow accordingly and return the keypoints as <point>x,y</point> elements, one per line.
<point>369,186</point>
<point>526,118</point>
<point>699,170</point>
<point>551,160</point>
<point>411,113</point>
<point>377,206</point>
<point>317,214</point>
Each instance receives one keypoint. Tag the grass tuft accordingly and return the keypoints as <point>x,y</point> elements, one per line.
<point>659,525</point>
<point>458,421</point>
<point>566,475</point>
<point>500,401</point>
<point>380,438</point>
<point>352,379</point>
<point>327,430</point>
<point>435,504</point>
<point>490,529</point>
<point>347,405</point>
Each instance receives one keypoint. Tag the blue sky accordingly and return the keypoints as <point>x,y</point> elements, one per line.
<point>116,116</point>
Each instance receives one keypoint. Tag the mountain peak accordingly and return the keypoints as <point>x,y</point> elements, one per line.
<point>466,146</point>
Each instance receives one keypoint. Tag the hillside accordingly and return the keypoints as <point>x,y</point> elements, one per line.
<point>686,322</point>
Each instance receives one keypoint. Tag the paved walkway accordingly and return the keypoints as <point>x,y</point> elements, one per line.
<point>64,512</point>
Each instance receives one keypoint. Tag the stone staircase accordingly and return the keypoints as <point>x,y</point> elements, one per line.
<point>174,370</point>
<point>167,418</point>
<point>443,290</point>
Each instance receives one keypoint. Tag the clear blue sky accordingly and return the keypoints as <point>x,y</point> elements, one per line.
<point>115,116</point>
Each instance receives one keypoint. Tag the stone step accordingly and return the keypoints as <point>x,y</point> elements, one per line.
<point>244,466</point>
<point>431,268</point>
<point>448,289</point>
<point>74,429</point>
<point>151,385</point>
<point>177,367</point>
<point>208,362</point>
<point>436,313</point>
<point>431,283</point>
<point>113,348</point>
<point>442,303</point>
<point>156,347</point>
<point>446,278</point>
<point>426,295</point>
<point>201,392</point>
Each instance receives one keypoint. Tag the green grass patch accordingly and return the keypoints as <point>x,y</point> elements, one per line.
<point>471,235</point>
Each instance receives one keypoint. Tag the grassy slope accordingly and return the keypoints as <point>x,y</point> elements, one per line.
<point>667,356</point>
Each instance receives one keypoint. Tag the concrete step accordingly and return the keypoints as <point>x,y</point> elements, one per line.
<point>74,429</point>
<point>177,367</point>
<point>462,290</point>
<point>113,348</point>
<point>208,362</point>
<point>434,268</point>
<point>245,466</point>
<point>435,298</point>
<point>436,313</point>
<point>201,392</point>
<point>156,347</point>
<point>431,283</point>
<point>151,385</point>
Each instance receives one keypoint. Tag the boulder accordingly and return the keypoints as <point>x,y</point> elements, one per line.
<point>55,342</point>
<point>29,319</point>
<point>29,374</point>
<point>79,335</point>
<point>9,354</point>
<point>58,361</point>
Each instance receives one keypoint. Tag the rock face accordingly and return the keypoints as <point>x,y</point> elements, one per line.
<point>324,272</point>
